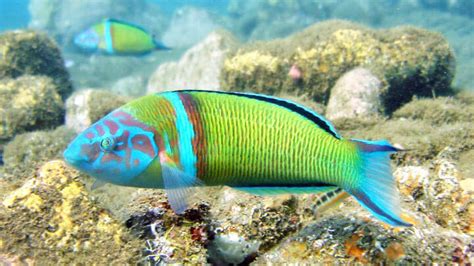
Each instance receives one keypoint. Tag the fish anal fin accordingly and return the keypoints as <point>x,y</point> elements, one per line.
<point>272,191</point>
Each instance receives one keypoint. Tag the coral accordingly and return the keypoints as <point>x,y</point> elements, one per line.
<point>402,58</point>
<point>27,151</point>
<point>50,219</point>
<point>32,53</point>
<point>28,103</point>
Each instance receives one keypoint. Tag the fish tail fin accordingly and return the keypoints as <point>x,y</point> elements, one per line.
<point>160,46</point>
<point>376,189</point>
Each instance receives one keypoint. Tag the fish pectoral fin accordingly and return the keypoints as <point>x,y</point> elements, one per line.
<point>97,184</point>
<point>272,191</point>
<point>180,187</point>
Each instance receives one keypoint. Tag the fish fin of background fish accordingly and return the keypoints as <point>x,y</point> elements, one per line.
<point>330,199</point>
<point>179,187</point>
<point>118,21</point>
<point>160,46</point>
<point>271,191</point>
<point>97,184</point>
<point>377,189</point>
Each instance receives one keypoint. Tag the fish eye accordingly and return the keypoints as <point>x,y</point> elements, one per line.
<point>107,144</point>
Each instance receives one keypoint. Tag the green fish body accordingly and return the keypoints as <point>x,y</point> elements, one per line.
<point>256,143</point>
<point>113,36</point>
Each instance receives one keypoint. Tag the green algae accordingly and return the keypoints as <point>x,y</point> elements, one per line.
<point>408,61</point>
<point>31,53</point>
<point>27,151</point>
<point>28,103</point>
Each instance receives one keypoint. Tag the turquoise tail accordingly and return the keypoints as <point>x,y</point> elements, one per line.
<point>377,189</point>
<point>160,46</point>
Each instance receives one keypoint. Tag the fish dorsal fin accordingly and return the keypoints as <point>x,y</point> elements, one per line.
<point>113,20</point>
<point>318,119</point>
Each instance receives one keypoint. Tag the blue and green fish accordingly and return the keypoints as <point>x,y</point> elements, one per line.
<point>113,37</point>
<point>255,143</point>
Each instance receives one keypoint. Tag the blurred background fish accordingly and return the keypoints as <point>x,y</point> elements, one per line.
<point>113,36</point>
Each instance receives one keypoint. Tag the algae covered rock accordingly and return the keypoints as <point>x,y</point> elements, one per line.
<point>199,68</point>
<point>436,191</point>
<point>28,150</point>
<point>437,111</point>
<point>342,239</point>
<point>32,53</point>
<point>50,219</point>
<point>355,95</point>
<point>408,61</point>
<point>28,103</point>
<point>423,127</point>
<point>87,106</point>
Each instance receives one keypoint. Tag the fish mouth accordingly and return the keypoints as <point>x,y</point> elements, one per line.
<point>71,158</point>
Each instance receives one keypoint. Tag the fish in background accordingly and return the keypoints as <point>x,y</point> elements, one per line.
<point>117,37</point>
<point>255,143</point>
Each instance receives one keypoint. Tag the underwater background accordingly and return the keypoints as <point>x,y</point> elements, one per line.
<point>401,70</point>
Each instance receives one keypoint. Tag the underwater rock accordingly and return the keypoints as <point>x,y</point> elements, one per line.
<point>86,106</point>
<point>32,53</point>
<point>182,31</point>
<point>131,86</point>
<point>408,61</point>
<point>206,59</point>
<point>231,249</point>
<point>348,239</point>
<point>64,19</point>
<point>50,219</point>
<point>436,190</point>
<point>355,95</point>
<point>456,29</point>
<point>28,103</point>
<point>26,151</point>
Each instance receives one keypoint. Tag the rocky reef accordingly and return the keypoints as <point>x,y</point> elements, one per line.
<point>33,53</point>
<point>402,58</point>
<point>29,103</point>
<point>51,219</point>
<point>373,84</point>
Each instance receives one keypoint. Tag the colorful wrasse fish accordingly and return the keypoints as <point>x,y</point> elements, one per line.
<point>117,37</point>
<point>255,143</point>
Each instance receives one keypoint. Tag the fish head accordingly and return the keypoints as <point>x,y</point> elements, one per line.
<point>88,40</point>
<point>115,149</point>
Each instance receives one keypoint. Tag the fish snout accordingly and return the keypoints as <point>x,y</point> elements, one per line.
<point>73,156</point>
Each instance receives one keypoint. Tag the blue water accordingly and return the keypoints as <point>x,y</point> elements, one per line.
<point>13,14</point>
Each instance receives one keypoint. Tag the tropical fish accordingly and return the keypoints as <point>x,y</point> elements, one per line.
<point>255,143</point>
<point>113,36</point>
